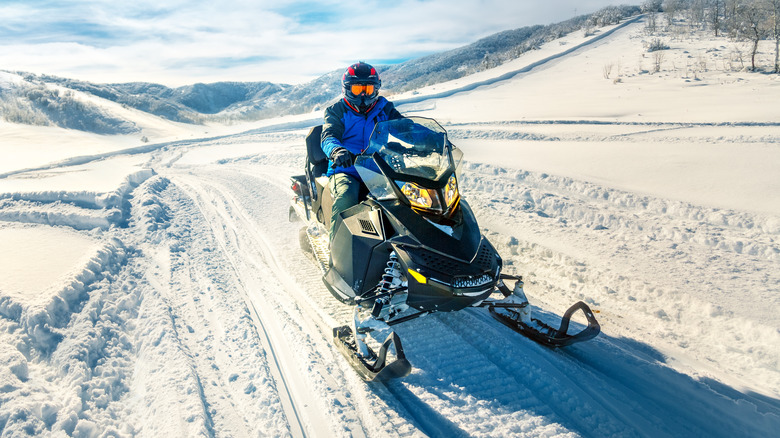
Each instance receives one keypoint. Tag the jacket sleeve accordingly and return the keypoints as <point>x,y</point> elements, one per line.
<point>332,129</point>
<point>391,112</point>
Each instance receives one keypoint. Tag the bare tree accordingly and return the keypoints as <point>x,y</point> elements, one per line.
<point>697,12</point>
<point>671,9</point>
<point>773,9</point>
<point>715,14</point>
<point>658,58</point>
<point>730,16</point>
<point>751,17</point>
<point>651,9</point>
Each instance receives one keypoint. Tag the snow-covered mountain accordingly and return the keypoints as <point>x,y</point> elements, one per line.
<point>157,288</point>
<point>44,99</point>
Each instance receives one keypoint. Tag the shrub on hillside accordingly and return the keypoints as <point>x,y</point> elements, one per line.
<point>656,44</point>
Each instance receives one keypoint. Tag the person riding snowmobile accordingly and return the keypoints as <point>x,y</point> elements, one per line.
<point>409,247</point>
<point>347,129</point>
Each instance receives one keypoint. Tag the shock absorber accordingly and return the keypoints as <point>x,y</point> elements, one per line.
<point>390,280</point>
<point>392,276</point>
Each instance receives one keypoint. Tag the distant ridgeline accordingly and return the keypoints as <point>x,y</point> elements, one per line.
<point>35,101</point>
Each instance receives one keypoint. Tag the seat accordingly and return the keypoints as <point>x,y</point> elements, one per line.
<point>316,161</point>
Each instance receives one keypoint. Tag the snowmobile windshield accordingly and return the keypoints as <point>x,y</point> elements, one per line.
<point>412,149</point>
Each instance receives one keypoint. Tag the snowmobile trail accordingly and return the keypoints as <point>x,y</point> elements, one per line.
<point>395,402</point>
<point>231,382</point>
<point>288,318</point>
<point>220,191</point>
<point>466,365</point>
<point>219,211</point>
<point>613,387</point>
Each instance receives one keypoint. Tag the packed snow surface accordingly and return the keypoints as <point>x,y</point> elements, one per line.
<point>158,289</point>
<point>28,246</point>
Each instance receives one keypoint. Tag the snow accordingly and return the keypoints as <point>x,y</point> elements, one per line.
<point>723,174</point>
<point>27,246</point>
<point>158,289</point>
<point>99,177</point>
<point>82,196</point>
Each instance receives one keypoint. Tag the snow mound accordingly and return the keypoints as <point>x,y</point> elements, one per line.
<point>77,344</point>
<point>152,213</point>
<point>43,304</point>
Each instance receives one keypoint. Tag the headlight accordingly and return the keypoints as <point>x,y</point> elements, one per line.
<point>451,191</point>
<point>431,200</point>
<point>420,197</point>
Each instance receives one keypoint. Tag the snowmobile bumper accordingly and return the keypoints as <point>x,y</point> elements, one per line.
<point>435,287</point>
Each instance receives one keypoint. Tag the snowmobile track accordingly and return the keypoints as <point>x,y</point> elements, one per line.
<point>280,362</point>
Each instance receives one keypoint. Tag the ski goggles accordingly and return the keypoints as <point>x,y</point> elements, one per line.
<point>356,89</point>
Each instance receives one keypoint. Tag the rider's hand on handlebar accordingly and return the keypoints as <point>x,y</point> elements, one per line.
<point>342,158</point>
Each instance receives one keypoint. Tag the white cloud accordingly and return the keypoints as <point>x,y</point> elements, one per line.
<point>180,42</point>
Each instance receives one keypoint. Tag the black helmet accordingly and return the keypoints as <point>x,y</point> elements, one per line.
<point>361,86</point>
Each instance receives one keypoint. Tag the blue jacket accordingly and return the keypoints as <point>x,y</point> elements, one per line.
<point>344,127</point>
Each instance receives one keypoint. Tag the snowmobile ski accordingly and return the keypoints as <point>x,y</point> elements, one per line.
<point>375,366</point>
<point>516,314</point>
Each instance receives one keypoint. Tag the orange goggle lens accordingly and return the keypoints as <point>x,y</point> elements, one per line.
<point>360,88</point>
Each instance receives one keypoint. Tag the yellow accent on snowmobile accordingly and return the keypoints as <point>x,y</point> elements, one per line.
<point>417,276</point>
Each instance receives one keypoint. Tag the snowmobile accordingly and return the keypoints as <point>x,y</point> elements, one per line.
<point>410,248</point>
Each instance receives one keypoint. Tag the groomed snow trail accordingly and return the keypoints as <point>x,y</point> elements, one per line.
<point>472,377</point>
<point>311,383</point>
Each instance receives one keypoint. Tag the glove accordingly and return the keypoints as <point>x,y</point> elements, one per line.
<point>404,123</point>
<point>342,158</point>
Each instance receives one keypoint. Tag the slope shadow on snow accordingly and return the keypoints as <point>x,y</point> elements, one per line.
<point>763,403</point>
<point>606,387</point>
<point>647,388</point>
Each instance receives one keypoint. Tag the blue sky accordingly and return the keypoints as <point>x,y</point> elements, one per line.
<point>178,42</point>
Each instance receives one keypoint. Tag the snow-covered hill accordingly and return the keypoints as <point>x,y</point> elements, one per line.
<point>69,103</point>
<point>158,289</point>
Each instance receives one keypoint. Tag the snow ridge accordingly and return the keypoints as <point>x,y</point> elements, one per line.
<point>729,230</point>
<point>81,210</point>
